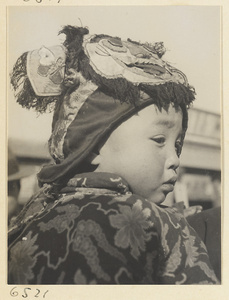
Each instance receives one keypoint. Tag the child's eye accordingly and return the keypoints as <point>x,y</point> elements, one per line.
<point>159,140</point>
<point>178,147</point>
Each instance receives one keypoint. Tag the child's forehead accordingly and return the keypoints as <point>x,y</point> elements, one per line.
<point>151,119</point>
<point>169,117</point>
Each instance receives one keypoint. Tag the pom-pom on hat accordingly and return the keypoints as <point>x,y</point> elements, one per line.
<point>106,81</point>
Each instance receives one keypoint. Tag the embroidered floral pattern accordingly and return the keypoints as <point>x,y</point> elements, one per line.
<point>174,259</point>
<point>62,221</point>
<point>79,278</point>
<point>22,260</point>
<point>132,225</point>
<point>85,246</point>
<point>150,267</point>
<point>122,273</point>
<point>208,271</point>
<point>101,234</point>
<point>192,251</point>
<point>91,228</point>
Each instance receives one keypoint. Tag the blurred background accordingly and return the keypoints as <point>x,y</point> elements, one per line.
<point>191,35</point>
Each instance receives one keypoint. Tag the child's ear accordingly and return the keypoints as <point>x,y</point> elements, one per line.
<point>95,159</point>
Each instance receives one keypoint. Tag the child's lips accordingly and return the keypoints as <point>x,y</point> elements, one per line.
<point>168,186</point>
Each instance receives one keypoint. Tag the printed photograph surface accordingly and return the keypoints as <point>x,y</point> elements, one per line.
<point>114,145</point>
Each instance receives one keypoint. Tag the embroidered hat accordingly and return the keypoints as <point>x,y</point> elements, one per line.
<point>106,81</point>
<point>45,69</point>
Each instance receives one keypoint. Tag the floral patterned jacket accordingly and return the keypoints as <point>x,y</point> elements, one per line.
<point>97,232</point>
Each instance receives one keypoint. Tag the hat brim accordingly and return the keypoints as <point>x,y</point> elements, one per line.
<point>24,171</point>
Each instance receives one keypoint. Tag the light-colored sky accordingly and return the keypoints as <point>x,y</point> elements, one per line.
<point>191,35</point>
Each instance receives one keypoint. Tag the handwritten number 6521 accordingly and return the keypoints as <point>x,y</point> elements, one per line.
<point>14,292</point>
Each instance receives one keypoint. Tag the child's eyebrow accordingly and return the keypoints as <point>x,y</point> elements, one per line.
<point>167,123</point>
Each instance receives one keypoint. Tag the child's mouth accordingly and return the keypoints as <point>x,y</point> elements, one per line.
<point>168,186</point>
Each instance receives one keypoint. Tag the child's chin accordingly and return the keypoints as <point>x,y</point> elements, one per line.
<point>157,198</point>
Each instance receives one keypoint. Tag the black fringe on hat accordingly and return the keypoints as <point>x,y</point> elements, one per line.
<point>169,92</point>
<point>24,92</point>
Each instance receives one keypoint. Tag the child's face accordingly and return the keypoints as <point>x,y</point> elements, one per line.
<point>144,151</point>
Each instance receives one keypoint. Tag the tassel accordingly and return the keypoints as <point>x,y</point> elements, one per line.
<point>24,92</point>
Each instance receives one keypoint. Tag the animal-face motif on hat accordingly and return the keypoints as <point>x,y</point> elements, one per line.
<point>137,63</point>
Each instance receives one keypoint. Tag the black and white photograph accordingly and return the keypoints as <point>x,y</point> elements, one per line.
<point>114,146</point>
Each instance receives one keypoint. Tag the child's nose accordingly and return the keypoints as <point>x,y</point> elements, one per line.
<point>172,161</point>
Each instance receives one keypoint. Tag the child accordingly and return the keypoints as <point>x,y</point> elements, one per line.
<point>118,128</point>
